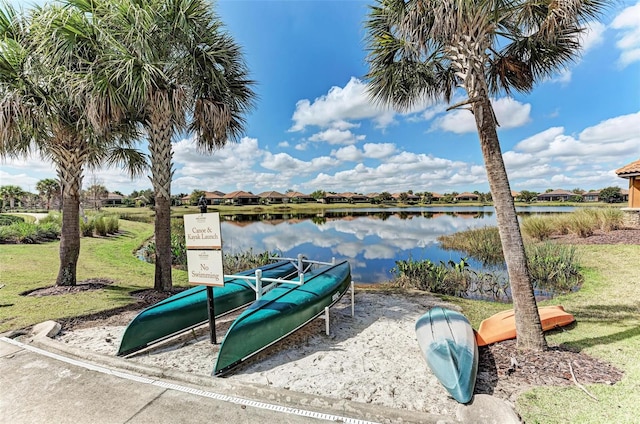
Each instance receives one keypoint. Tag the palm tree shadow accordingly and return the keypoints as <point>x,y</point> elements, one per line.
<point>487,377</point>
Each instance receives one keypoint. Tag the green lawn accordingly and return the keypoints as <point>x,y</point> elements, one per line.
<point>27,267</point>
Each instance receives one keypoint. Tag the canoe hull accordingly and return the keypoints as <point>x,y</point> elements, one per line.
<point>279,313</point>
<point>188,309</point>
<point>502,326</point>
<point>449,347</point>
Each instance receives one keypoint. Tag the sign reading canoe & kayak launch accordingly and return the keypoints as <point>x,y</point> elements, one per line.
<point>202,231</point>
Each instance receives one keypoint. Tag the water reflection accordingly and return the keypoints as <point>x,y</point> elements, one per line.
<point>372,239</point>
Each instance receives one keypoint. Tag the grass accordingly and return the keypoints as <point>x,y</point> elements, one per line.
<point>607,312</point>
<point>28,267</point>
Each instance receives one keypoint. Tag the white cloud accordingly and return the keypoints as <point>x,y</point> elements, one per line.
<point>509,112</point>
<point>539,141</point>
<point>348,154</point>
<point>628,22</point>
<point>338,107</point>
<point>378,150</point>
<point>369,151</point>
<point>592,37</point>
<point>337,136</point>
<point>283,144</point>
<point>618,129</point>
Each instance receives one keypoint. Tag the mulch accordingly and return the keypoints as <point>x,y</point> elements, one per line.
<point>504,370</point>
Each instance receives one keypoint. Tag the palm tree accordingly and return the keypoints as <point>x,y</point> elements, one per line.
<point>44,109</point>
<point>48,188</point>
<point>96,193</point>
<point>429,48</point>
<point>170,66</point>
<point>11,193</point>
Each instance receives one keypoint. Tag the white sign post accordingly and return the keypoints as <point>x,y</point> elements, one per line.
<point>204,257</point>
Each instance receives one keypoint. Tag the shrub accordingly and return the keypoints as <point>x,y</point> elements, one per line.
<point>554,267</point>
<point>52,217</point>
<point>610,219</point>
<point>583,222</point>
<point>537,227</point>
<point>482,244</point>
<point>113,224</point>
<point>100,225</point>
<point>86,227</point>
<point>10,219</point>
<point>28,233</point>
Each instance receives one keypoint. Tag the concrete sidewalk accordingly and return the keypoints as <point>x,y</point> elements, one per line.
<point>45,381</point>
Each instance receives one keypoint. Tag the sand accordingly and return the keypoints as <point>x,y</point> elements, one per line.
<point>372,357</point>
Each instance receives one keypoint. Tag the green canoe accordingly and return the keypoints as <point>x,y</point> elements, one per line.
<point>280,312</point>
<point>449,346</point>
<point>188,309</point>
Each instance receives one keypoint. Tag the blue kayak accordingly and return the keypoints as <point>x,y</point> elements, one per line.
<point>449,346</point>
<point>188,309</point>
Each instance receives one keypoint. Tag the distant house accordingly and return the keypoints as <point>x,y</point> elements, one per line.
<point>515,194</point>
<point>467,197</point>
<point>334,198</point>
<point>241,198</point>
<point>273,197</point>
<point>555,196</point>
<point>591,196</point>
<point>113,199</point>
<point>436,197</point>
<point>214,197</point>
<point>297,197</point>
<point>408,198</point>
<point>354,197</point>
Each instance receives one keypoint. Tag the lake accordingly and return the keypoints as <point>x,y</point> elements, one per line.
<point>371,239</point>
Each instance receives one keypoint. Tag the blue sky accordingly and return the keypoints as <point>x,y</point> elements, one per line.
<point>314,128</point>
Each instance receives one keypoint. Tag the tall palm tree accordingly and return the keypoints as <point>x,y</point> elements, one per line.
<point>169,65</point>
<point>43,109</point>
<point>429,48</point>
<point>48,188</point>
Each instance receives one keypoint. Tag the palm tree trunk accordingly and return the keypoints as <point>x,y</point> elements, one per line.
<point>160,132</point>
<point>70,173</point>
<point>528,326</point>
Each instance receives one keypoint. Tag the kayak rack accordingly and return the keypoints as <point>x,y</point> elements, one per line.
<point>302,265</point>
<point>256,282</point>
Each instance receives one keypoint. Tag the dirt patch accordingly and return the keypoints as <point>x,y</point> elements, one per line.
<point>626,236</point>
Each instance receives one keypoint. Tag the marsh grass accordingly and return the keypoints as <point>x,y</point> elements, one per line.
<point>482,244</point>
<point>582,222</point>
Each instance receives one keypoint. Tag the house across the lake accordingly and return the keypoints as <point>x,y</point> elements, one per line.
<point>556,196</point>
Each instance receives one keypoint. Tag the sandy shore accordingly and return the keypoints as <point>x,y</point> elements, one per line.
<point>372,357</point>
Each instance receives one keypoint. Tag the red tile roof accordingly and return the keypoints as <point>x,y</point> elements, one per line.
<point>628,170</point>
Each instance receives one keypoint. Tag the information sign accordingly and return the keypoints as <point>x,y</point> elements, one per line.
<point>202,231</point>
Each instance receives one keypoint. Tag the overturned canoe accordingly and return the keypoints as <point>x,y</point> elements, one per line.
<point>188,309</point>
<point>449,347</point>
<point>279,313</point>
<point>502,326</point>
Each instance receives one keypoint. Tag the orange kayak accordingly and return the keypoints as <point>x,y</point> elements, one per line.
<point>502,326</point>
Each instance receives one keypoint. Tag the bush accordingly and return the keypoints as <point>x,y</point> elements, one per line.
<point>583,222</point>
<point>100,226</point>
<point>113,224</point>
<point>10,219</point>
<point>610,219</point>
<point>537,227</point>
<point>29,233</point>
<point>482,244</point>
<point>86,227</point>
<point>52,217</point>
<point>554,267</point>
